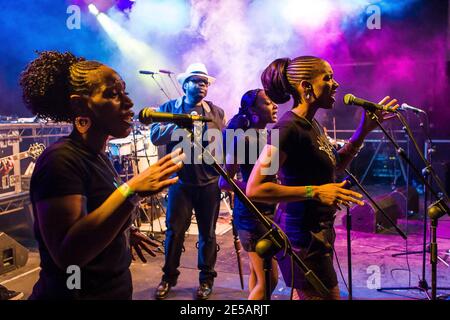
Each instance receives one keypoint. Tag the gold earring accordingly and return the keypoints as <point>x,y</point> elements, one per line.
<point>308,95</point>
<point>82,124</point>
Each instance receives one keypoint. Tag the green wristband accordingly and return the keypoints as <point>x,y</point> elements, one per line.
<point>309,192</point>
<point>125,190</point>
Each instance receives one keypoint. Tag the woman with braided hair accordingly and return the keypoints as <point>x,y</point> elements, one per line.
<point>82,209</point>
<point>308,163</point>
<point>256,111</point>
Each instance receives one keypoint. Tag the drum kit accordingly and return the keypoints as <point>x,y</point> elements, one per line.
<point>133,154</point>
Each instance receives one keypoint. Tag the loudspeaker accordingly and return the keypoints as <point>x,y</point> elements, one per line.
<point>441,162</point>
<point>447,176</point>
<point>406,197</point>
<point>12,254</point>
<point>367,218</point>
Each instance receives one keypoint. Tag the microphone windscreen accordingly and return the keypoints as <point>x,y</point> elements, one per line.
<point>145,115</point>
<point>349,98</point>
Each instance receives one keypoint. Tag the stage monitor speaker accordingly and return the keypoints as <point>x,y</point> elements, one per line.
<point>367,218</point>
<point>441,162</point>
<point>406,197</point>
<point>12,254</point>
<point>447,177</point>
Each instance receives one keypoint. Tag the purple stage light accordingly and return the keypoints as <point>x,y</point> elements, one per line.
<point>123,5</point>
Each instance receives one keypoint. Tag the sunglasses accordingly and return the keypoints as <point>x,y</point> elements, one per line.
<point>199,81</point>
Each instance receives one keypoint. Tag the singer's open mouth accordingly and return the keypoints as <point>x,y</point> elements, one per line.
<point>128,117</point>
<point>333,95</point>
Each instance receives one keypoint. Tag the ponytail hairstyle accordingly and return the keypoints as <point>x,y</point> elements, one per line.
<point>49,80</point>
<point>282,77</point>
<point>245,116</point>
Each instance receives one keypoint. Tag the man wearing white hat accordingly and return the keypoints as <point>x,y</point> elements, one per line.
<point>197,187</point>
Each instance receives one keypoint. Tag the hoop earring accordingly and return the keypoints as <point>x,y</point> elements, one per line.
<point>307,94</point>
<point>246,122</point>
<point>255,118</point>
<point>82,124</point>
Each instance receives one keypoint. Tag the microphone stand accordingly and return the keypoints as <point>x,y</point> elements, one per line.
<point>435,211</point>
<point>174,84</point>
<point>423,285</point>
<point>428,167</point>
<point>274,240</point>
<point>159,86</point>
<point>349,254</point>
<point>153,198</point>
<point>440,205</point>
<point>236,240</point>
<point>238,248</point>
<point>354,180</point>
<point>386,216</point>
<point>426,173</point>
<point>164,84</point>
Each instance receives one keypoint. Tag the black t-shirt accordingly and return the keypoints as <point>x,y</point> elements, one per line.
<point>243,217</point>
<point>68,167</point>
<point>310,160</point>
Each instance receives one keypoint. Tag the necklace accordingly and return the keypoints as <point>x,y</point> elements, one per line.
<point>314,127</point>
<point>322,140</point>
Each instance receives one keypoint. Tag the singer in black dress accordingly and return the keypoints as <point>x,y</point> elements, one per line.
<point>82,209</point>
<point>307,171</point>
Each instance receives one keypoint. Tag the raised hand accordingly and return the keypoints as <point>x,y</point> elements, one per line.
<point>367,124</point>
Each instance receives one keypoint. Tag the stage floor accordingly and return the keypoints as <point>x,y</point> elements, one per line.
<point>370,252</point>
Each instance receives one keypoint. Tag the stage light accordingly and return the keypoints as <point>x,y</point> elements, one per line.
<point>138,53</point>
<point>93,9</point>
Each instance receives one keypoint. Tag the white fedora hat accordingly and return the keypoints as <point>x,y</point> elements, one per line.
<point>195,69</point>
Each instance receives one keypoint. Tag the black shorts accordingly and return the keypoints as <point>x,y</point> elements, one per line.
<point>249,239</point>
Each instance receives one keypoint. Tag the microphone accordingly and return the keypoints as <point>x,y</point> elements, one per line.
<point>406,107</point>
<point>166,71</point>
<point>147,72</point>
<point>350,99</point>
<point>149,115</point>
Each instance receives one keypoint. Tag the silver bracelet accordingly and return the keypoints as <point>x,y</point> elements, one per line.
<point>354,150</point>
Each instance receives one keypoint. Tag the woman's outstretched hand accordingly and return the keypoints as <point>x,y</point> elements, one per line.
<point>334,194</point>
<point>157,177</point>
